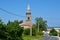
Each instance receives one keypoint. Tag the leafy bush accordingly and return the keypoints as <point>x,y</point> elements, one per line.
<point>14,31</point>
<point>27,31</point>
<point>33,32</point>
<point>40,33</point>
<point>53,32</point>
<point>3,33</point>
<point>15,34</point>
<point>59,34</point>
<point>11,31</point>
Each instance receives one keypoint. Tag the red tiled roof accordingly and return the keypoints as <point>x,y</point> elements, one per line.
<point>26,24</point>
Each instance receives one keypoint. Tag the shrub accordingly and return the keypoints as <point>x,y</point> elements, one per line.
<point>15,34</point>
<point>10,31</point>
<point>40,33</point>
<point>53,32</point>
<point>27,31</point>
<point>33,32</point>
<point>59,34</point>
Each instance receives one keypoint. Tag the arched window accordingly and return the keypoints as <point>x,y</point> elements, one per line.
<point>28,18</point>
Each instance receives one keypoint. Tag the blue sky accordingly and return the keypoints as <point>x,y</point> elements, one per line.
<point>47,9</point>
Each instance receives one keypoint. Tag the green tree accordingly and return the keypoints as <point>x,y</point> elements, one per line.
<point>42,24</point>
<point>27,31</point>
<point>35,30</point>
<point>11,31</point>
<point>14,30</point>
<point>53,32</point>
<point>3,31</point>
<point>21,21</point>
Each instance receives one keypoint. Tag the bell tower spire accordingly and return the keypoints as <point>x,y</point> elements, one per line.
<point>28,14</point>
<point>28,9</point>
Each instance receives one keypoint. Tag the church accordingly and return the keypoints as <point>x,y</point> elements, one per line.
<point>28,22</point>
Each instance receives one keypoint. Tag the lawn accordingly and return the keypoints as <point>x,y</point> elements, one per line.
<point>31,37</point>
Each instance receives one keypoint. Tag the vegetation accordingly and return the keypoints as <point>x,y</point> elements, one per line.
<point>42,24</point>
<point>59,34</point>
<point>36,34</point>
<point>10,31</point>
<point>28,37</point>
<point>27,31</point>
<point>40,33</point>
<point>53,32</point>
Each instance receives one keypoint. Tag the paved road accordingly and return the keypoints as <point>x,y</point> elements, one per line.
<point>49,38</point>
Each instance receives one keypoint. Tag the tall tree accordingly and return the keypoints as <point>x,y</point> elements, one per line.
<point>41,24</point>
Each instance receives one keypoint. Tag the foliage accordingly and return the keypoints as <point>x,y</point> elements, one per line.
<point>27,31</point>
<point>3,31</point>
<point>11,31</point>
<point>28,37</point>
<point>53,32</point>
<point>15,29</point>
<point>42,23</point>
<point>21,22</point>
<point>33,31</point>
<point>59,34</point>
<point>40,33</point>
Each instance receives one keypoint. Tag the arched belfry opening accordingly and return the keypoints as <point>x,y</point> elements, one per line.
<point>28,15</point>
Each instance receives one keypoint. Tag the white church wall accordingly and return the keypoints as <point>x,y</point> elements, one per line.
<point>25,27</point>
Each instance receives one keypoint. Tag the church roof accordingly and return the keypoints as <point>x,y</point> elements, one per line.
<point>25,24</point>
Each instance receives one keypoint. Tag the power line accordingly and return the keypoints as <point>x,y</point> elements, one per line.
<point>11,13</point>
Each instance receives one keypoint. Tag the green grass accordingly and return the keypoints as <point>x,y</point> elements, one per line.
<point>31,37</point>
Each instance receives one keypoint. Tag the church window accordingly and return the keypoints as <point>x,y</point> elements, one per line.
<point>28,18</point>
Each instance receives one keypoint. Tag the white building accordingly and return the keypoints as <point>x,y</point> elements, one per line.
<point>28,23</point>
<point>56,28</point>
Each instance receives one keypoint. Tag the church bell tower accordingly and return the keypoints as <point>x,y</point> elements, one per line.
<point>28,15</point>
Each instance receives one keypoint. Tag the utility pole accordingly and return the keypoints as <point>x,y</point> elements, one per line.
<point>38,25</point>
<point>30,31</point>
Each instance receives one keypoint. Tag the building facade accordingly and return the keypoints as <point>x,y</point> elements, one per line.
<point>28,22</point>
